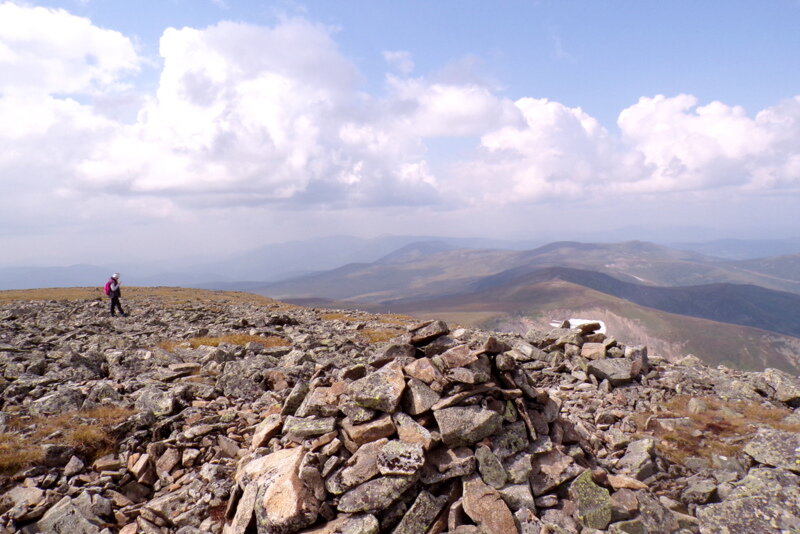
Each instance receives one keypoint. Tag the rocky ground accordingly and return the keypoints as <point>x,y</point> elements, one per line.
<point>213,412</point>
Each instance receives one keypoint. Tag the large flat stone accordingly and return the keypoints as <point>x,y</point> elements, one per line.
<point>776,448</point>
<point>376,494</point>
<point>618,371</point>
<point>766,500</point>
<point>465,425</point>
<point>380,390</point>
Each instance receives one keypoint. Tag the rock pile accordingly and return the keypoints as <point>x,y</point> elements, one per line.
<point>443,433</point>
<point>562,430</point>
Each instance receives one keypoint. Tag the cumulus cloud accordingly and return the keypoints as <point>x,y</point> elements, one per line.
<point>252,114</point>
<point>690,147</point>
<point>247,115</point>
<point>45,50</point>
<point>666,145</point>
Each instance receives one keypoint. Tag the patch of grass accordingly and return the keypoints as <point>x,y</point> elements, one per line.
<point>17,454</point>
<point>338,316</point>
<point>168,296</point>
<point>722,428</point>
<point>374,335</point>
<point>397,319</point>
<point>89,431</point>
<point>233,339</point>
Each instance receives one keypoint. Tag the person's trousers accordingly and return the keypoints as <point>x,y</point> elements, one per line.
<point>116,305</point>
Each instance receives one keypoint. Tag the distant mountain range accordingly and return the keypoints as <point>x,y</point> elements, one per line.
<point>673,299</point>
<point>718,300</point>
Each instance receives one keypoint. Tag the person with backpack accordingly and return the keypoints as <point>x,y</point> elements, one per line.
<point>112,290</point>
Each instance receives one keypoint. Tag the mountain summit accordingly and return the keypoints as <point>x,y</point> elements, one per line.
<point>227,412</point>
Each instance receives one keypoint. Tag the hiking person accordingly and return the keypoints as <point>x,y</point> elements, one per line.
<point>112,290</point>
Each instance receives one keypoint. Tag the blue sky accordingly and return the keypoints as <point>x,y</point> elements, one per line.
<point>166,125</point>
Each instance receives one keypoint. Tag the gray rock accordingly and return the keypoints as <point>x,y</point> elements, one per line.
<point>777,448</point>
<point>518,496</point>
<point>421,514</point>
<point>699,490</point>
<point>592,501</point>
<point>66,518</point>
<point>786,388</point>
<point>242,379</point>
<point>428,331</point>
<point>490,468</point>
<point>419,397</point>
<point>380,390</point>
<point>152,399</point>
<point>618,371</point>
<point>73,467</point>
<point>638,459</point>
<point>400,458</point>
<point>375,495</point>
<point>465,425</point>
<point>766,500</point>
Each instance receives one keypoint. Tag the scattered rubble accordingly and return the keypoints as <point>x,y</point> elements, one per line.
<point>324,430</point>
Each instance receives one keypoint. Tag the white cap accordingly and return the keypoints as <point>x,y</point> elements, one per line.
<point>115,276</point>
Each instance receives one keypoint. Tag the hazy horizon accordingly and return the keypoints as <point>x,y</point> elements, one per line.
<point>160,131</point>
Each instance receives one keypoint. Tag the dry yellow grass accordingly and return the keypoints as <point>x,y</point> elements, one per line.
<point>171,296</point>
<point>722,428</point>
<point>397,319</point>
<point>374,335</point>
<point>16,453</point>
<point>234,339</point>
<point>89,431</point>
<point>338,316</point>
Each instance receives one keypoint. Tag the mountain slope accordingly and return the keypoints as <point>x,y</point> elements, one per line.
<point>517,307</point>
<point>746,305</point>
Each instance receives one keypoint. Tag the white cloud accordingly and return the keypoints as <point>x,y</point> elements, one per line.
<point>689,148</point>
<point>400,60</point>
<point>45,50</point>
<point>667,145</point>
<point>249,116</point>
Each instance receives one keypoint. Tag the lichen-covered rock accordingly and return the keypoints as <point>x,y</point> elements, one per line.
<point>465,425</point>
<point>376,494</point>
<point>400,458</point>
<point>593,502</point>
<point>490,468</point>
<point>304,427</point>
<point>786,387</point>
<point>421,514</point>
<point>766,500</point>
<point>380,390</point>
<point>777,448</point>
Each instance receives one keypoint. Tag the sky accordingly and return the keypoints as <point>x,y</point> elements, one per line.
<point>155,130</point>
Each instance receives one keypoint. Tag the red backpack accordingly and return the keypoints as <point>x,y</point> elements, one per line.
<point>107,288</point>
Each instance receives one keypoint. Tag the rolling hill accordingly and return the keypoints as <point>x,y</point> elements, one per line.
<point>517,307</point>
<point>675,301</point>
